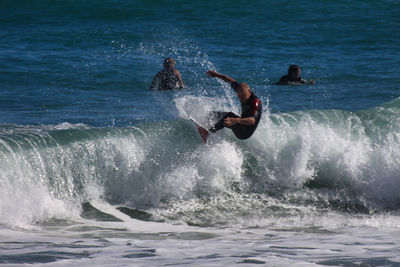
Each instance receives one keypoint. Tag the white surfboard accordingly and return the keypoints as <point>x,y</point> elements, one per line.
<point>202,130</point>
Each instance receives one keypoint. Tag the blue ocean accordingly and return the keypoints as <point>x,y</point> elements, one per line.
<point>97,170</point>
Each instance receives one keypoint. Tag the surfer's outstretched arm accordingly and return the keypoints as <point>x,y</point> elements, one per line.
<point>223,77</point>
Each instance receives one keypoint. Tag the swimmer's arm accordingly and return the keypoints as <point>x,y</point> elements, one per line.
<point>181,84</point>
<point>311,81</point>
<point>223,77</point>
<point>304,81</point>
<point>245,121</point>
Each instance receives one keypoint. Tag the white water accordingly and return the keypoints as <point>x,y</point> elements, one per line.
<point>331,239</point>
<point>318,187</point>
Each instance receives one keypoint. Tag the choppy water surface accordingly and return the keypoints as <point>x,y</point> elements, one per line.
<point>96,170</point>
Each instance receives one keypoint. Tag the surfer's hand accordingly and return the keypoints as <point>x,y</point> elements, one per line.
<point>230,121</point>
<point>212,73</point>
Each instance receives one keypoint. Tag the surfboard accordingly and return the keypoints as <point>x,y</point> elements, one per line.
<point>202,130</point>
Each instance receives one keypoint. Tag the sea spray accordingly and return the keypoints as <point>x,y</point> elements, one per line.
<point>50,171</point>
<point>329,159</point>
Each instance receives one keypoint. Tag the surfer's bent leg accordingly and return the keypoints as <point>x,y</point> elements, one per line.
<point>242,131</point>
<point>220,124</point>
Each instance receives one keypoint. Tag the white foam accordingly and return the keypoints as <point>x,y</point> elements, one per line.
<point>22,204</point>
<point>302,146</point>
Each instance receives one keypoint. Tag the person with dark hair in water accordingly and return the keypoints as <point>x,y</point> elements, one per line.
<point>293,77</point>
<point>242,126</point>
<point>168,78</point>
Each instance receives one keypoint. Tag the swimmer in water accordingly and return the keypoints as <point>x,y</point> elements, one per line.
<point>293,77</point>
<point>168,78</point>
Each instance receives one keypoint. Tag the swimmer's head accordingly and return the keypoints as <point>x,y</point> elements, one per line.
<point>294,71</point>
<point>169,62</point>
<point>293,68</point>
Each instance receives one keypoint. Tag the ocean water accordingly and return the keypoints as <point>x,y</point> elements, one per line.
<point>95,170</point>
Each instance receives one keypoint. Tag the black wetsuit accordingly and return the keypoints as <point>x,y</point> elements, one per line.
<point>287,80</point>
<point>251,108</point>
<point>167,80</point>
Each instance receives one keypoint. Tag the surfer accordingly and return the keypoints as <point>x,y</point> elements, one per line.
<point>168,78</point>
<point>293,77</point>
<point>242,126</point>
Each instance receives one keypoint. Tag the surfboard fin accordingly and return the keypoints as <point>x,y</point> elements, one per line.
<point>203,133</point>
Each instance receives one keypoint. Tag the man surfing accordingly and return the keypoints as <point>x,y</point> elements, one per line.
<point>242,126</point>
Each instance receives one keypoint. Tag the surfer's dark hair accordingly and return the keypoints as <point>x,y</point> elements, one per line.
<point>293,68</point>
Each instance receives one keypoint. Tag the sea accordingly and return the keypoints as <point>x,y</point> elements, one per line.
<point>96,170</point>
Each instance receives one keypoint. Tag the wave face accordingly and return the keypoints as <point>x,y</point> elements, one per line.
<point>319,160</point>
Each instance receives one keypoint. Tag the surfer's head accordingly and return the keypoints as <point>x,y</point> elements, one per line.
<point>243,91</point>
<point>294,71</point>
<point>169,62</point>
